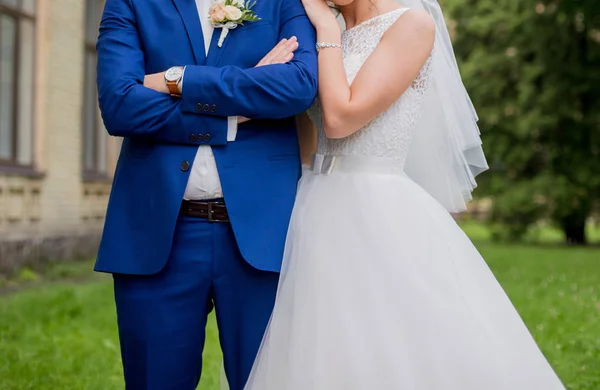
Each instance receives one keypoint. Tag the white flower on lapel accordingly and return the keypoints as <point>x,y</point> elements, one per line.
<point>233,13</point>
<point>228,14</point>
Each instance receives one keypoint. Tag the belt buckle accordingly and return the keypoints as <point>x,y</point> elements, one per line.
<point>323,164</point>
<point>328,164</point>
<point>211,212</point>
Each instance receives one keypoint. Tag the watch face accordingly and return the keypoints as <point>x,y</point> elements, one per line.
<point>174,73</point>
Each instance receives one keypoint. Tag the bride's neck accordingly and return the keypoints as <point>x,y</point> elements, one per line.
<point>360,11</point>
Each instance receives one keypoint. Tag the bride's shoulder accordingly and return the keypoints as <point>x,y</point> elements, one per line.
<point>415,25</point>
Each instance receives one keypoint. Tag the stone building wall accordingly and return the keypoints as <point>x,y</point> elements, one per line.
<point>51,209</point>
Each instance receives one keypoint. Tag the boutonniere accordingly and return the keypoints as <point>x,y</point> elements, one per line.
<point>228,14</point>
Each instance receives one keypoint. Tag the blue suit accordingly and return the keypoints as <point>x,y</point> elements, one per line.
<point>169,271</point>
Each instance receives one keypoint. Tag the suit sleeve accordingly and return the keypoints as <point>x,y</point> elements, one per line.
<point>128,108</point>
<point>267,92</point>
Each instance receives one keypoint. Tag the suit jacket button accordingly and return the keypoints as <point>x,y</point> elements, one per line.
<point>192,137</point>
<point>185,166</point>
<point>206,108</point>
<point>199,107</point>
<point>213,108</point>
<point>207,137</point>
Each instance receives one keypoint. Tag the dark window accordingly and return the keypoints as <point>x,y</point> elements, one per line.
<point>17,49</point>
<point>94,136</point>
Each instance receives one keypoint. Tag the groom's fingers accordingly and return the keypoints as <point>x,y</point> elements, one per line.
<point>288,58</point>
<point>275,51</point>
<point>285,58</point>
<point>283,54</point>
<point>278,51</point>
<point>271,55</point>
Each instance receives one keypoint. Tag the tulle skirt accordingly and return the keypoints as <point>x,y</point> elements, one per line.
<point>380,289</point>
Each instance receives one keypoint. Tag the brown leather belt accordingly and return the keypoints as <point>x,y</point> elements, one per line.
<point>213,210</point>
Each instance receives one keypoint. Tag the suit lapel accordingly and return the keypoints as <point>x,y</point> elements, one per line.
<point>189,14</point>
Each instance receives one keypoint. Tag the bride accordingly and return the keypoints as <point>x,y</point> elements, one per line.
<point>380,289</point>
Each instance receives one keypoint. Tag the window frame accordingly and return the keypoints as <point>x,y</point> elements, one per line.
<point>12,164</point>
<point>100,169</point>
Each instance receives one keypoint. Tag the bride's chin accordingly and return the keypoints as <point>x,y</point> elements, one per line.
<point>339,3</point>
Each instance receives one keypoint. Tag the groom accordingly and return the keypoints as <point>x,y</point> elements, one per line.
<point>199,208</point>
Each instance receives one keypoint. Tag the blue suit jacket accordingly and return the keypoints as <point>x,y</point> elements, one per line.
<point>259,171</point>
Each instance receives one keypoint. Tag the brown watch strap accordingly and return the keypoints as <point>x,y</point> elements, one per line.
<point>173,88</point>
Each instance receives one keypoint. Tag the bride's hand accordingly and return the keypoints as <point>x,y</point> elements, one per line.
<point>319,13</point>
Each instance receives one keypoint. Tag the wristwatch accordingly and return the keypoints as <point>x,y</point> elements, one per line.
<point>173,77</point>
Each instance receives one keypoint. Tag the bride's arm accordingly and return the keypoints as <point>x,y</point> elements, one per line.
<point>307,137</point>
<point>384,77</point>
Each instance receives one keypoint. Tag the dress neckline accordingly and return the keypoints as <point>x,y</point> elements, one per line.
<point>374,18</point>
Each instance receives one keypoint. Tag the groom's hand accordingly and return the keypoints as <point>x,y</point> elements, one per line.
<point>156,81</point>
<point>280,54</point>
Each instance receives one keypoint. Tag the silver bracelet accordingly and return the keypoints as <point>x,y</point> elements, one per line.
<point>325,45</point>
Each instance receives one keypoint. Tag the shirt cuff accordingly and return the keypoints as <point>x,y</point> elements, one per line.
<point>181,81</point>
<point>232,127</point>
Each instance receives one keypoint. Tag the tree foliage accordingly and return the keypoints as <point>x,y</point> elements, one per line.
<point>533,71</point>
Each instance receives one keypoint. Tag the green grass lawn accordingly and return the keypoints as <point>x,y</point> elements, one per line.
<point>61,335</point>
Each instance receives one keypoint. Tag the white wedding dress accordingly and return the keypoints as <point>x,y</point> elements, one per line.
<point>380,289</point>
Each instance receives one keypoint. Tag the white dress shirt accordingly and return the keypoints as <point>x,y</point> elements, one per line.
<point>204,182</point>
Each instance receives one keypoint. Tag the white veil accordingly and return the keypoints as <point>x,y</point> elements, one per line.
<point>445,154</point>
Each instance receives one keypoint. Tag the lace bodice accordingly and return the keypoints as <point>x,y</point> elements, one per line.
<point>389,134</point>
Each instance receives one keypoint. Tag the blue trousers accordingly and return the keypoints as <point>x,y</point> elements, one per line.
<point>162,317</point>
